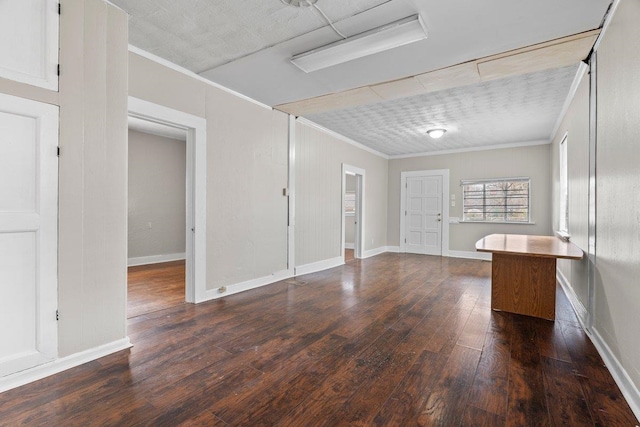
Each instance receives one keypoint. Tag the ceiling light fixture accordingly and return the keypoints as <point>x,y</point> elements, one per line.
<point>395,34</point>
<point>436,133</point>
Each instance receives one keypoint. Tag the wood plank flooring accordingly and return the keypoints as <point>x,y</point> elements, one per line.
<point>393,340</point>
<point>155,287</point>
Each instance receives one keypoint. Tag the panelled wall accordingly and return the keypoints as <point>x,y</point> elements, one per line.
<point>615,325</point>
<point>532,162</point>
<point>247,155</point>
<point>318,218</point>
<point>617,287</point>
<point>92,173</point>
<point>576,126</point>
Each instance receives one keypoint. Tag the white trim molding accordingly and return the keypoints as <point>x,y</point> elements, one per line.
<point>360,227</point>
<point>196,200</point>
<point>154,259</point>
<point>319,266</point>
<point>349,245</point>
<point>62,364</point>
<point>393,249</point>
<point>161,61</point>
<point>578,307</point>
<point>582,70</point>
<point>373,252</point>
<point>218,292</point>
<point>484,256</point>
<point>619,374</point>
<point>472,149</point>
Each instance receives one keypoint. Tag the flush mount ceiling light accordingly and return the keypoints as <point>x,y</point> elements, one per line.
<point>395,34</point>
<point>436,133</point>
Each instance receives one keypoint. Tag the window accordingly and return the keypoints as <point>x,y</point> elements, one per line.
<point>350,203</point>
<point>496,200</point>
<point>563,225</point>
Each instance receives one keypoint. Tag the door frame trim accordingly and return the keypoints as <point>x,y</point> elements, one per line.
<point>196,195</point>
<point>360,203</point>
<point>444,245</point>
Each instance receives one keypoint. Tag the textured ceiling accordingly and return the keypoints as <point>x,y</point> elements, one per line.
<point>517,109</point>
<point>246,46</point>
<point>200,35</point>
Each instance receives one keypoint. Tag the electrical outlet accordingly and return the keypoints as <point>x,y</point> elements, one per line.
<point>222,289</point>
<point>453,203</point>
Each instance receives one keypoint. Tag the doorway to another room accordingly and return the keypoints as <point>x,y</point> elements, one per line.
<point>352,212</point>
<point>157,187</point>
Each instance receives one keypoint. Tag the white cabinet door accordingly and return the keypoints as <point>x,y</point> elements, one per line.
<point>28,233</point>
<point>423,217</point>
<point>29,42</point>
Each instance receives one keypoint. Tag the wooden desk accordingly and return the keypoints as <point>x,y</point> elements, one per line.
<point>523,272</point>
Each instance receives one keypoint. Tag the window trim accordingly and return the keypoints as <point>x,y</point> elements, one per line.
<point>563,202</point>
<point>464,182</point>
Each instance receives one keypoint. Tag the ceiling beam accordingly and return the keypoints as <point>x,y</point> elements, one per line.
<point>543,56</point>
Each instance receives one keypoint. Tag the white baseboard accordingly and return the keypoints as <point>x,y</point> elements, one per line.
<point>619,374</point>
<point>62,364</point>
<point>319,266</point>
<point>247,285</point>
<point>394,249</point>
<point>349,246</point>
<point>578,308</point>
<point>155,259</point>
<point>374,252</point>
<point>485,256</point>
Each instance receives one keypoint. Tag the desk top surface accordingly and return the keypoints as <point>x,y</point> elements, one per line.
<point>535,246</point>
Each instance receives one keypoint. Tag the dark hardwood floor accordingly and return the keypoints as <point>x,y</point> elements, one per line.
<point>393,340</point>
<point>154,287</point>
<point>348,255</point>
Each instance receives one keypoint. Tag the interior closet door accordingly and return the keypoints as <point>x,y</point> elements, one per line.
<point>28,233</point>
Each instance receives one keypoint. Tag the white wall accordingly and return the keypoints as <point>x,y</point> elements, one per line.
<point>156,199</point>
<point>319,159</point>
<point>532,161</point>
<point>576,126</point>
<point>92,173</point>
<point>247,165</point>
<point>617,291</point>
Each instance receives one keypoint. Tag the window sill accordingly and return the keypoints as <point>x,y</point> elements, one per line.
<point>497,222</point>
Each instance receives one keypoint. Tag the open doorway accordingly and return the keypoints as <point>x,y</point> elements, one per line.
<point>192,269</point>
<point>157,186</point>
<point>352,212</point>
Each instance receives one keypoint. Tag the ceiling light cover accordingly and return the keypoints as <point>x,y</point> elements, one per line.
<point>436,133</point>
<point>390,36</point>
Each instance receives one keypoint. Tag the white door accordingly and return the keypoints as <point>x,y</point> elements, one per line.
<point>423,215</point>
<point>28,233</point>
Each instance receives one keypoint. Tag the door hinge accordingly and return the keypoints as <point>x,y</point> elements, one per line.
<point>405,213</point>
<point>58,70</point>
<point>58,151</point>
<point>59,9</point>
<point>57,315</point>
<point>405,240</point>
